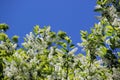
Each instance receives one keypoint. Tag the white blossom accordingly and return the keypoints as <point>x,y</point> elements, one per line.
<point>73,51</point>
<point>51,52</point>
<point>59,51</point>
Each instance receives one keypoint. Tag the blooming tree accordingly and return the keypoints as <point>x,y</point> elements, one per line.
<point>46,55</point>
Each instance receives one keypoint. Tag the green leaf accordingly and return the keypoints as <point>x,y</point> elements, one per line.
<point>36,29</point>
<point>83,33</point>
<point>112,43</point>
<point>52,34</point>
<point>42,30</point>
<point>103,51</point>
<point>109,30</point>
<point>68,39</point>
<point>15,39</point>
<point>64,50</point>
<point>46,51</point>
<point>102,2</point>
<point>64,45</point>
<point>4,26</point>
<point>99,2</point>
<point>61,34</point>
<point>109,27</point>
<point>72,46</point>
<point>3,36</point>
<point>118,54</point>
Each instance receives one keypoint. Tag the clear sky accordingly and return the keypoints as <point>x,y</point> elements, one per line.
<point>70,16</point>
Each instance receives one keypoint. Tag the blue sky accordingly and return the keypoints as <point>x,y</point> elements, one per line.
<point>70,16</point>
